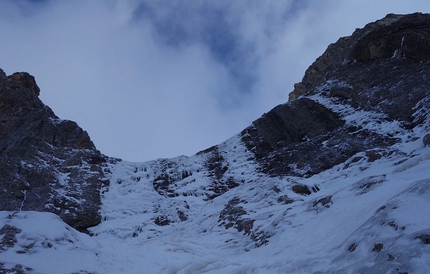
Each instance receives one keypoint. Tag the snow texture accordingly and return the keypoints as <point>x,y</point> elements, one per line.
<point>360,217</point>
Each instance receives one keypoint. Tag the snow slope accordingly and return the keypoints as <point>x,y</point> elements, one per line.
<point>363,216</point>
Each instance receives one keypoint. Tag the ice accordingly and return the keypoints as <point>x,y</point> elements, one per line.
<point>385,201</point>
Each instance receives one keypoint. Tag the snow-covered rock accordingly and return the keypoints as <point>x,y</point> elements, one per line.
<point>335,181</point>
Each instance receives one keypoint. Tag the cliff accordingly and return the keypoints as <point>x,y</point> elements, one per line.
<point>46,163</point>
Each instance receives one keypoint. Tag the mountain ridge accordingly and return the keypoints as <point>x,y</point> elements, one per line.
<point>333,181</point>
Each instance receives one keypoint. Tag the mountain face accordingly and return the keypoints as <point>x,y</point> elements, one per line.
<point>382,68</point>
<point>46,164</point>
<point>334,181</point>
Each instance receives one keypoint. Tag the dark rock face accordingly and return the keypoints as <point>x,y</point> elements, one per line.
<point>367,184</point>
<point>232,217</point>
<point>217,167</point>
<point>301,189</point>
<point>383,68</point>
<point>8,234</point>
<point>323,202</point>
<point>395,36</point>
<point>46,164</point>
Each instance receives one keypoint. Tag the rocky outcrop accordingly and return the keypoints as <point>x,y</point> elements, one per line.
<point>46,164</point>
<point>234,216</point>
<point>382,69</point>
<point>393,37</point>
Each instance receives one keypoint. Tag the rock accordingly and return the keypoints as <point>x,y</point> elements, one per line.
<point>324,202</point>
<point>425,238</point>
<point>303,137</point>
<point>217,168</point>
<point>27,81</point>
<point>162,220</point>
<point>369,183</point>
<point>301,189</point>
<point>231,216</point>
<point>9,238</point>
<point>182,216</point>
<point>378,247</point>
<point>18,269</point>
<point>220,186</point>
<point>398,36</point>
<point>163,185</point>
<point>393,225</point>
<point>283,138</point>
<point>69,134</point>
<point>426,140</point>
<point>285,200</point>
<point>46,164</point>
<point>231,213</point>
<point>352,247</point>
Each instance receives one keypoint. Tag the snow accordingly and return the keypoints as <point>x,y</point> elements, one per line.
<point>386,201</point>
<point>47,245</point>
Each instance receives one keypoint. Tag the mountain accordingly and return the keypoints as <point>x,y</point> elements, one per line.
<point>43,157</point>
<point>334,181</point>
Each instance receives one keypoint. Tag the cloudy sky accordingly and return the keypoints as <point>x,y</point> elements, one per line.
<point>162,78</point>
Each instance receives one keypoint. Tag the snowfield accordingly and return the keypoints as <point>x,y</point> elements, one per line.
<point>362,216</point>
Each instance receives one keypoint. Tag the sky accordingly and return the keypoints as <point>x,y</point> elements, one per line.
<point>159,79</point>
